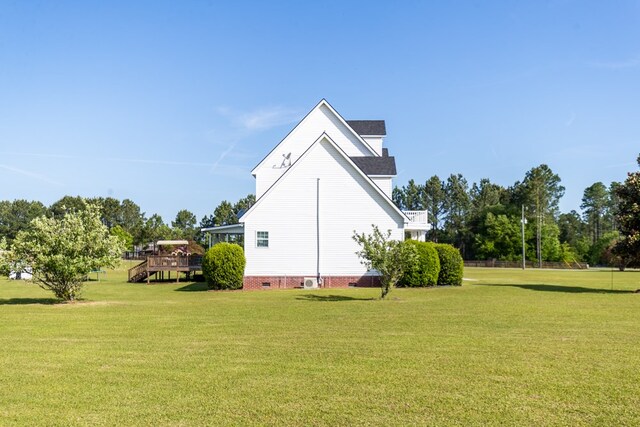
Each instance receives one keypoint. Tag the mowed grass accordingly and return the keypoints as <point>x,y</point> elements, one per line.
<point>507,348</point>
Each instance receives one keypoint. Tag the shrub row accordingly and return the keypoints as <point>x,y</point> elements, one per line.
<point>437,264</point>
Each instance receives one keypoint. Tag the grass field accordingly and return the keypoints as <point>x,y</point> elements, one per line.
<point>507,348</point>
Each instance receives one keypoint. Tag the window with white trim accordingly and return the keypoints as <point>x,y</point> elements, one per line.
<point>262,239</point>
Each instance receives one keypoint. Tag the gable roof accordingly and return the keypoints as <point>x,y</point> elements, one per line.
<point>349,160</point>
<point>333,111</point>
<point>376,165</point>
<point>368,127</point>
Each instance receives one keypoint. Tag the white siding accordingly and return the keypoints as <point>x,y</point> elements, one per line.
<point>375,142</point>
<point>265,177</point>
<point>320,120</point>
<point>347,202</point>
<point>385,184</point>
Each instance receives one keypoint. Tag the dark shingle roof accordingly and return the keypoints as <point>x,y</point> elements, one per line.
<point>368,127</point>
<point>372,165</point>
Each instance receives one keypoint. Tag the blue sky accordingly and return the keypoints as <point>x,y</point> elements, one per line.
<point>171,104</point>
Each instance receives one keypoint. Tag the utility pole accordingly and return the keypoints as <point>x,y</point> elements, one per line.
<point>538,228</point>
<point>522,222</point>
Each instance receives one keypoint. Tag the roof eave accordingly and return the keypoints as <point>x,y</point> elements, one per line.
<point>333,110</point>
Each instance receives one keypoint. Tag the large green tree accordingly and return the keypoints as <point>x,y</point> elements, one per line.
<point>155,229</point>
<point>227,213</point>
<point>224,214</point>
<point>62,251</point>
<point>109,210</point>
<point>434,203</point>
<point>413,196</point>
<point>499,238</point>
<point>485,194</point>
<point>595,201</point>
<point>628,218</point>
<point>397,196</point>
<point>244,204</point>
<point>572,233</point>
<point>486,197</point>
<point>184,226</point>
<point>457,204</point>
<point>66,205</point>
<point>541,192</point>
<point>16,216</point>
<point>131,218</point>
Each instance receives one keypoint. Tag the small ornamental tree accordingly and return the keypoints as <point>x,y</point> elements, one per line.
<point>451,265</point>
<point>61,251</point>
<point>223,266</point>
<point>389,257</point>
<point>423,272</point>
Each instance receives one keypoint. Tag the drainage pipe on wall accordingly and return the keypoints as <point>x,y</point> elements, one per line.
<point>318,231</point>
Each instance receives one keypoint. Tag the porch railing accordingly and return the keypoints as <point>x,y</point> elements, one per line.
<point>417,217</point>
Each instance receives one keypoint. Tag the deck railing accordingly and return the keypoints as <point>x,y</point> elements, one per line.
<point>418,217</point>
<point>156,263</point>
<point>167,261</point>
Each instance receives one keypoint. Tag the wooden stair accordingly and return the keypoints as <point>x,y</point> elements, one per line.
<point>139,273</point>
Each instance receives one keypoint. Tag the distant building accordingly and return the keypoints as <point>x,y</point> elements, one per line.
<point>25,274</point>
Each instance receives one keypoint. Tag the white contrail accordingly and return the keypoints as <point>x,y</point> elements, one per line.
<point>112,159</point>
<point>214,166</point>
<point>29,174</point>
<point>155,162</point>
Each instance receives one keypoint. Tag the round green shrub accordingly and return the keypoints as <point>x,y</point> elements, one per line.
<point>223,266</point>
<point>451,265</point>
<point>424,272</point>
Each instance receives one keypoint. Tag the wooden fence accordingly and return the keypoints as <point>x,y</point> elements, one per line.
<point>492,263</point>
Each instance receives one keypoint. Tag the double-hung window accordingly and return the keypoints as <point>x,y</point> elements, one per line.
<point>262,239</point>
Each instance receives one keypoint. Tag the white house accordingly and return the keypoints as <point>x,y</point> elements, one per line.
<point>24,274</point>
<point>327,179</point>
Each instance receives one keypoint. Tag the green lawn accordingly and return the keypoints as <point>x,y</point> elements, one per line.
<point>506,348</point>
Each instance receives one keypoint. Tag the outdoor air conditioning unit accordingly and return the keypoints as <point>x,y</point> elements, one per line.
<point>311,283</point>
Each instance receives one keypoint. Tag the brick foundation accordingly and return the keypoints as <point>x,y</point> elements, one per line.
<point>293,282</point>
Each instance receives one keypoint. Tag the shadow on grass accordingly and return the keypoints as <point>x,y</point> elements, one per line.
<point>28,301</point>
<point>194,287</point>
<point>558,288</point>
<point>326,298</point>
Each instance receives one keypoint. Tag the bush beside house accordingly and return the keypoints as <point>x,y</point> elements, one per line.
<point>425,271</point>
<point>223,266</point>
<point>451,265</point>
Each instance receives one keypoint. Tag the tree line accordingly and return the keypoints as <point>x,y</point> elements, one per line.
<point>123,218</point>
<point>484,220</point>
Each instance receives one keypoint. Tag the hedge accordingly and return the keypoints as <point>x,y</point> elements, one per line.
<point>223,266</point>
<point>451,265</point>
<point>426,268</point>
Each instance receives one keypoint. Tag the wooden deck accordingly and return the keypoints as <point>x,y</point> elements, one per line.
<point>159,264</point>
